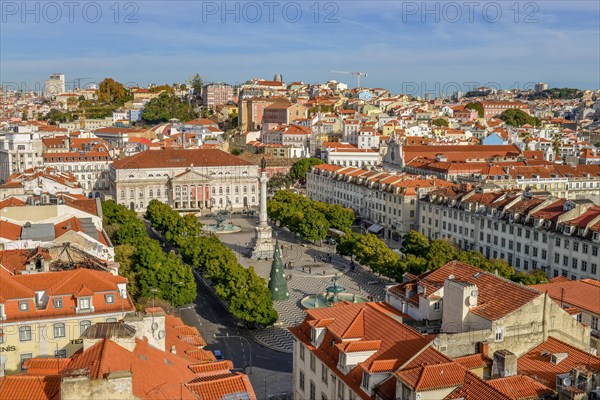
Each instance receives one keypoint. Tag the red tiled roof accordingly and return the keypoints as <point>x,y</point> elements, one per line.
<point>474,361</point>
<point>475,388</point>
<point>537,365</point>
<point>10,231</point>
<point>21,387</point>
<point>497,297</point>
<point>178,158</point>
<point>520,387</point>
<point>575,293</point>
<point>430,377</point>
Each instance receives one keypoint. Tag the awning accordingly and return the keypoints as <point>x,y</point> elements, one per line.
<point>375,228</point>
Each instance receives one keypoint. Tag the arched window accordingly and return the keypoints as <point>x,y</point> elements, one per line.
<point>59,330</point>
<point>253,199</point>
<point>253,189</point>
<point>122,194</point>
<point>245,189</point>
<point>157,192</point>
<point>141,194</point>
<point>131,195</point>
<point>151,193</point>
<point>83,325</point>
<point>220,190</point>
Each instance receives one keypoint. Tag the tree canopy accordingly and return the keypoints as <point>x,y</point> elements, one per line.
<point>112,92</point>
<point>246,293</point>
<point>516,117</point>
<point>442,122</point>
<point>143,261</point>
<point>476,106</point>
<point>301,168</point>
<point>167,106</point>
<point>309,219</point>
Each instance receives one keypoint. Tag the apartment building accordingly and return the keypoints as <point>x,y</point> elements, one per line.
<point>494,108</point>
<point>576,297</point>
<point>348,155</point>
<point>529,230</point>
<point>147,355</point>
<point>40,180</point>
<point>367,351</point>
<point>20,149</point>
<point>216,94</point>
<point>384,199</point>
<point>87,158</point>
<point>469,307</point>
<point>190,180</point>
<point>44,314</point>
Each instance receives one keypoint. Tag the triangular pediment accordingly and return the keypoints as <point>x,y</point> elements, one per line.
<point>190,175</point>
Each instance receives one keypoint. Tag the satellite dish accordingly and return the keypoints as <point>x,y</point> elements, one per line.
<point>154,326</point>
<point>451,276</point>
<point>52,191</point>
<point>37,191</point>
<point>472,301</point>
<point>567,382</point>
<point>161,334</point>
<point>436,341</point>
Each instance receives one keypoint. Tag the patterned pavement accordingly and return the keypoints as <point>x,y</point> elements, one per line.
<point>300,284</point>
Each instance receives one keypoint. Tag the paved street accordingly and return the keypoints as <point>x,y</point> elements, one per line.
<point>271,371</point>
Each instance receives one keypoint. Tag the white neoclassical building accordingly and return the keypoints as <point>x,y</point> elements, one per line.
<point>187,180</point>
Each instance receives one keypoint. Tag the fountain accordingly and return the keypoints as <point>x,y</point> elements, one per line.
<point>333,294</point>
<point>220,227</point>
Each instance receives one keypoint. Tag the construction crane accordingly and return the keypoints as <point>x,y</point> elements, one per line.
<point>357,74</point>
<point>77,82</point>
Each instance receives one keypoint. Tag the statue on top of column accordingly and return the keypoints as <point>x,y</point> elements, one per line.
<point>263,164</point>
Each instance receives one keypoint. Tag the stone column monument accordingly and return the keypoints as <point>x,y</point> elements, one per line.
<point>262,245</point>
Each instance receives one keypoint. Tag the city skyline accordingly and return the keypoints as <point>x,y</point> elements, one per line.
<point>510,46</point>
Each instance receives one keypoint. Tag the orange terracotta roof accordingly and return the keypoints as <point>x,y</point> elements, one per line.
<point>431,377</point>
<point>574,293</point>
<point>497,297</point>
<point>475,388</point>
<point>520,387</point>
<point>537,364</point>
<point>179,158</point>
<point>20,387</point>
<point>10,231</point>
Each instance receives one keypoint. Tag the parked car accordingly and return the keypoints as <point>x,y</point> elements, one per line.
<point>218,355</point>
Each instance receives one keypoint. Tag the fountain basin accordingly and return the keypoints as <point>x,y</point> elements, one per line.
<point>221,229</point>
<point>313,301</point>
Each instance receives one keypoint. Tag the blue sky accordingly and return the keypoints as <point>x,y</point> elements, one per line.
<point>404,46</point>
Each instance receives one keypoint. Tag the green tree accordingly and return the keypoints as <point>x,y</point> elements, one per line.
<point>415,243</point>
<point>164,107</point>
<point>413,264</point>
<point>443,122</point>
<point>439,253</point>
<point>112,92</point>
<point>301,168</point>
<point>536,277</point>
<point>516,117</point>
<point>310,224</point>
<point>347,244</point>
<point>476,106</point>
<point>196,83</point>
<point>124,255</point>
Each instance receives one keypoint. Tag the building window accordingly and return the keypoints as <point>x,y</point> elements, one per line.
<point>112,319</point>
<point>83,325</point>
<point>312,361</point>
<point>84,303</point>
<point>25,333</point>
<point>58,303</point>
<point>301,380</point>
<point>499,334</point>
<point>122,194</point>
<point>59,330</point>
<point>594,323</point>
<point>436,306</point>
<point>301,351</point>
<point>110,298</point>
<point>24,357</point>
<point>312,391</point>
<point>324,373</point>
<point>340,389</point>
<point>1,336</point>
<point>323,396</point>
<point>24,305</point>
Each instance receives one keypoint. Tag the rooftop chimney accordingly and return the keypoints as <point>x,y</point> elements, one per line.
<point>504,364</point>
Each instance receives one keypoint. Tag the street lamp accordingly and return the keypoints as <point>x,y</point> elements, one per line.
<point>172,302</point>
<point>227,335</point>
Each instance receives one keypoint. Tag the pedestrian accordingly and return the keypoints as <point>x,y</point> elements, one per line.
<point>303,268</point>
<point>310,270</point>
